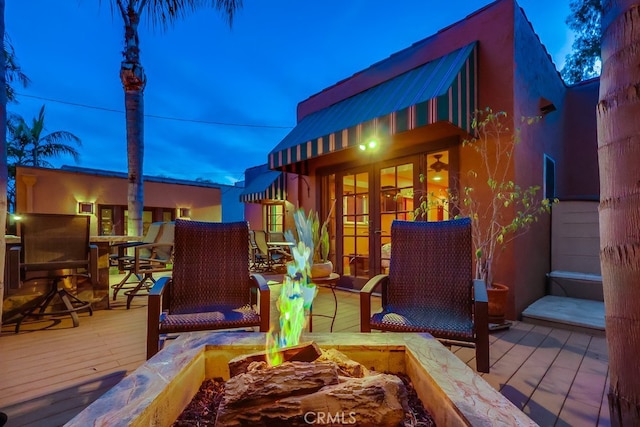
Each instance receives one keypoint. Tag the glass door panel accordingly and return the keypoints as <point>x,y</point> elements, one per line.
<point>355,217</point>
<point>396,202</point>
<point>436,182</point>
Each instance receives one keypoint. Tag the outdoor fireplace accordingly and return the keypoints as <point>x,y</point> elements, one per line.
<point>157,392</point>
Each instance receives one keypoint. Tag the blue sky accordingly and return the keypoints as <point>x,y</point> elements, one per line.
<point>277,54</point>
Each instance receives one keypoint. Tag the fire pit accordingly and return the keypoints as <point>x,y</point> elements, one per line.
<point>158,391</point>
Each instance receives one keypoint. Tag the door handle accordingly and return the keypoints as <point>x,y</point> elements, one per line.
<point>377,231</point>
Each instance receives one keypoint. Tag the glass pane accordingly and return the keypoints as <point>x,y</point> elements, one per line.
<point>348,186</point>
<point>362,183</point>
<point>437,182</point>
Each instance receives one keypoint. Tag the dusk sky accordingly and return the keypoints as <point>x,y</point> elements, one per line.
<point>217,99</point>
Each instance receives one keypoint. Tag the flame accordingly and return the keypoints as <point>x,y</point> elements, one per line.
<point>296,296</point>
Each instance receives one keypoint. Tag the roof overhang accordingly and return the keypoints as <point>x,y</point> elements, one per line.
<point>444,89</point>
<point>265,185</point>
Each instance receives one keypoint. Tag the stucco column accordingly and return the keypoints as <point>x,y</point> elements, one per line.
<point>30,182</point>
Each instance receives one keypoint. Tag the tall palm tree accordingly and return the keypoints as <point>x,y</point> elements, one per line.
<point>3,159</point>
<point>13,73</point>
<point>618,156</point>
<point>161,13</point>
<point>29,145</point>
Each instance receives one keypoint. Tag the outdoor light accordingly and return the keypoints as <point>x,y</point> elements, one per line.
<point>85,207</point>
<point>368,146</point>
<point>184,213</point>
<point>437,178</point>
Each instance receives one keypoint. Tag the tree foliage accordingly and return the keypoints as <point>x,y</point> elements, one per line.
<point>584,60</point>
<point>30,145</point>
<point>13,72</point>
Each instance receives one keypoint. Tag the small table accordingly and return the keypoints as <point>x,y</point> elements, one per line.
<point>331,281</point>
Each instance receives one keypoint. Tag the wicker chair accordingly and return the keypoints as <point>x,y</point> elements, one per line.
<point>54,247</point>
<point>211,287</point>
<point>430,288</point>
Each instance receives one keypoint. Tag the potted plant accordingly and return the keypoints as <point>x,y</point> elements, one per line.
<point>314,236</point>
<point>499,208</point>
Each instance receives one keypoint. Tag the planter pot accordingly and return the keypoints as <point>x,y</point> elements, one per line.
<point>321,269</point>
<point>497,303</point>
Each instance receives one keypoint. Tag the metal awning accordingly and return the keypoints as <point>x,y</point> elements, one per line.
<point>266,185</point>
<point>441,90</point>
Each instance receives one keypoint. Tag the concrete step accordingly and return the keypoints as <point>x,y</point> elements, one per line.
<point>575,314</point>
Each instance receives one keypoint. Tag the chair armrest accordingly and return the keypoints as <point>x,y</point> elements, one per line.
<point>124,245</point>
<point>365,299</point>
<point>480,291</point>
<point>154,308</point>
<point>258,281</point>
<point>481,324</point>
<point>143,265</point>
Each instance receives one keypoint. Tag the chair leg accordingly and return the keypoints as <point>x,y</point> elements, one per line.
<point>153,318</point>
<point>482,338</point>
<point>365,312</point>
<point>121,285</point>
<point>136,292</point>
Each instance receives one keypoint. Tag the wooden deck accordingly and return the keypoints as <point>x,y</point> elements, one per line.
<point>50,371</point>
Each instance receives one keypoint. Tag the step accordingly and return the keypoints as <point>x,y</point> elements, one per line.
<point>575,314</point>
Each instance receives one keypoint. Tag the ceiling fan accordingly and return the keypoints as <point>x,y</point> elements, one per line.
<point>438,165</point>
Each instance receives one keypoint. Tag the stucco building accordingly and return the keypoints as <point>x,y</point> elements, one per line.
<point>417,105</point>
<point>103,195</point>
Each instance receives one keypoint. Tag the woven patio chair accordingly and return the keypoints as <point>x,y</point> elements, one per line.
<point>211,288</point>
<point>54,247</point>
<point>430,288</point>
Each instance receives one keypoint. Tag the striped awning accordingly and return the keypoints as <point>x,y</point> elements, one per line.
<point>441,90</point>
<point>266,185</point>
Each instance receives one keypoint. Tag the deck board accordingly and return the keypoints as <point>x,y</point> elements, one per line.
<point>50,371</point>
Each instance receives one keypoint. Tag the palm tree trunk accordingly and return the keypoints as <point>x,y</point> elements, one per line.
<point>3,161</point>
<point>133,81</point>
<point>618,156</point>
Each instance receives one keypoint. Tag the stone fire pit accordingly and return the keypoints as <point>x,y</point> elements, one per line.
<point>156,393</point>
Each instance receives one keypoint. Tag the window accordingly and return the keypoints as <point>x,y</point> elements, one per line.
<point>549,178</point>
<point>112,219</point>
<point>274,217</point>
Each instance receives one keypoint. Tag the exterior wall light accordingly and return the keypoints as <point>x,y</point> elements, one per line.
<point>85,207</point>
<point>184,213</point>
<point>368,146</point>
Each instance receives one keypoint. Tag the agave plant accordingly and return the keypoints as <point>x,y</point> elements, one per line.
<point>312,234</point>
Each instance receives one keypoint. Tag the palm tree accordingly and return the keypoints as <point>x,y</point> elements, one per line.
<point>13,71</point>
<point>618,157</point>
<point>161,13</point>
<point>3,159</point>
<point>29,145</point>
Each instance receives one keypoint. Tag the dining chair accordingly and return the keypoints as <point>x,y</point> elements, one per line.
<point>122,258</point>
<point>147,260</point>
<point>54,248</point>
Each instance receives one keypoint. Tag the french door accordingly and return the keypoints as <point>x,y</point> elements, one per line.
<point>369,198</point>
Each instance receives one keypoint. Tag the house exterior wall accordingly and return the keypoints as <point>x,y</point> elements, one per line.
<point>535,77</point>
<point>58,191</point>
<point>514,74</point>
<point>579,170</point>
<point>254,212</point>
